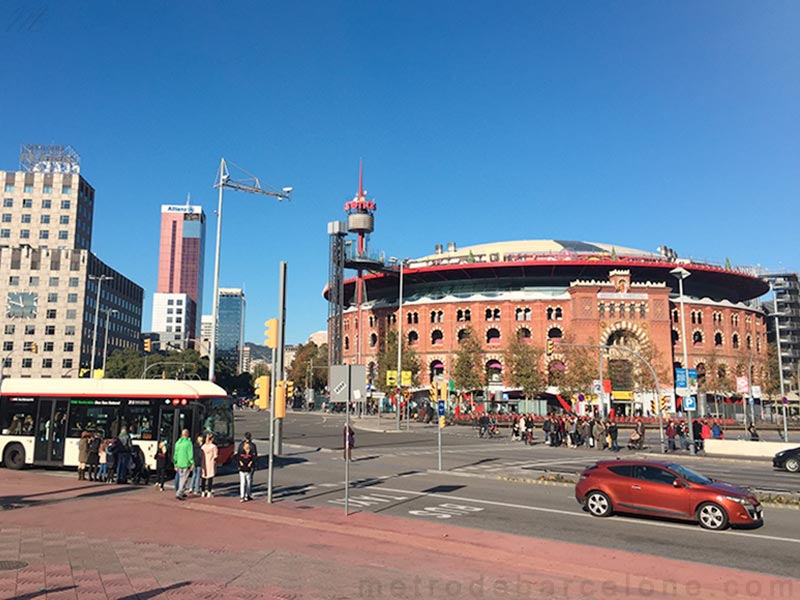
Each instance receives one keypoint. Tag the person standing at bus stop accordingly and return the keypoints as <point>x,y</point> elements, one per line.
<point>183,459</point>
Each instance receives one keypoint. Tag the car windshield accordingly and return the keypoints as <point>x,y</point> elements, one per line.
<point>689,475</point>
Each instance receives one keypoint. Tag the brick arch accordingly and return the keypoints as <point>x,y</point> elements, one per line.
<point>634,328</point>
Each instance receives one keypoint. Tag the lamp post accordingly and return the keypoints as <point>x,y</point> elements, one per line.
<point>680,274</point>
<point>99,279</point>
<point>109,312</point>
<point>253,186</point>
<point>399,344</point>
<point>780,363</point>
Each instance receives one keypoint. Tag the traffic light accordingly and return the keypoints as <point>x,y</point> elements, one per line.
<point>290,389</point>
<point>280,400</point>
<point>148,345</point>
<point>549,349</point>
<point>444,388</point>
<point>34,347</point>
<point>271,333</point>
<point>262,391</point>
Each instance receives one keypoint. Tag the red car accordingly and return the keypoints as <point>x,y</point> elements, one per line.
<point>668,490</point>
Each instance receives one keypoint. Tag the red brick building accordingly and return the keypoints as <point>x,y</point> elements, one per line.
<point>578,292</point>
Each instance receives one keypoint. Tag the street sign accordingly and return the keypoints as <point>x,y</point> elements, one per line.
<point>597,386</point>
<point>405,377</point>
<point>686,381</point>
<point>742,385</point>
<point>391,378</point>
<point>689,403</point>
<point>785,400</point>
<point>441,407</point>
<point>752,401</point>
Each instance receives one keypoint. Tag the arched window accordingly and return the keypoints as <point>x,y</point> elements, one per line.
<point>373,340</point>
<point>676,337</point>
<point>559,313</point>
<point>468,315</point>
<point>371,321</point>
<point>631,311</point>
<point>549,313</point>
<point>494,371</point>
<point>554,333</point>
<point>496,314</point>
<point>463,334</point>
<point>718,339</point>
<point>697,338</point>
<point>676,315</point>
<point>437,337</point>
<point>643,311</point>
<point>433,316</point>
<point>409,318</point>
<point>391,319</point>
<point>748,342</point>
<point>488,314</point>
<point>346,343</point>
<point>518,314</point>
<point>527,314</point>
<point>524,334</point>
<point>722,372</point>
<point>601,309</point>
<point>413,338</point>
<point>735,341</point>
<point>735,319</point>
<point>493,336</point>
<point>415,314</point>
<point>612,310</point>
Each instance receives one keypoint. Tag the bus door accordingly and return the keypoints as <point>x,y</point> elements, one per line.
<point>172,420</point>
<point>51,430</point>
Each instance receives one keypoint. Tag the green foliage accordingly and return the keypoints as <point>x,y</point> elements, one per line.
<point>468,371</point>
<point>387,361</point>
<point>522,363</point>
<point>301,372</point>
<point>582,366</point>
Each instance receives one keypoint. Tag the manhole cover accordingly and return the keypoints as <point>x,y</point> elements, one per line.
<point>12,565</point>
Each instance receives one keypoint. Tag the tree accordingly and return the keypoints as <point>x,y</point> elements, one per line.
<point>301,372</point>
<point>468,370</point>
<point>522,363</point>
<point>717,378</point>
<point>387,361</point>
<point>582,370</point>
<point>770,373</point>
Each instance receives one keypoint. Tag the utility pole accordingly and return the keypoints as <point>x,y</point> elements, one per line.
<point>251,185</point>
<point>99,279</point>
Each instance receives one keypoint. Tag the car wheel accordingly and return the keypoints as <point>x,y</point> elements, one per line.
<point>792,464</point>
<point>712,516</point>
<point>598,504</point>
<point>14,456</point>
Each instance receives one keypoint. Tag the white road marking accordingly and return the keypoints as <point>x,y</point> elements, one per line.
<point>582,515</point>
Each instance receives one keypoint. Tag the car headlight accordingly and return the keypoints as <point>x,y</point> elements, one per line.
<point>736,499</point>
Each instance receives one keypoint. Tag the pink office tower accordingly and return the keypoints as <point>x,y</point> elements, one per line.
<point>180,258</point>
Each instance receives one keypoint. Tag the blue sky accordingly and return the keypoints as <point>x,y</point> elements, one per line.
<point>632,123</point>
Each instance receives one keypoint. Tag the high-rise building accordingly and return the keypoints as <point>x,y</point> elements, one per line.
<point>180,274</point>
<point>786,287</point>
<point>230,328</point>
<point>52,282</point>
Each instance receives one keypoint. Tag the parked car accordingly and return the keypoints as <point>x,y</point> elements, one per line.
<point>665,489</point>
<point>787,459</point>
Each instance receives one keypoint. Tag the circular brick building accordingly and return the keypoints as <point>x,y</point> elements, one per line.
<point>575,292</point>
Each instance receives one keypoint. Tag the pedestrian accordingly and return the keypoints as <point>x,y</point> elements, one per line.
<point>111,460</point>
<point>183,459</point>
<point>197,455</point>
<point>102,474</point>
<point>349,442</point>
<point>613,433</point>
<point>124,447</point>
<point>161,464</point>
<point>599,432</point>
<point>671,433</point>
<point>682,433</point>
<point>83,455</point>
<point>751,429</point>
<point>94,456</point>
<point>640,429</point>
<point>246,461</point>
<point>209,466</point>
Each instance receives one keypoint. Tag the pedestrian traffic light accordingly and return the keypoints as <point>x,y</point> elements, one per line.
<point>549,346</point>
<point>148,345</point>
<point>280,400</point>
<point>271,333</point>
<point>262,391</point>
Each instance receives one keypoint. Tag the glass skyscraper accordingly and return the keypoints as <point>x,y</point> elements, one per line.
<point>230,328</point>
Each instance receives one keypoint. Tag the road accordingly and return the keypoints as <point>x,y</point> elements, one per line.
<point>391,475</point>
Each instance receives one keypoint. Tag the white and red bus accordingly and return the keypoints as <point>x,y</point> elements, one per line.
<point>41,420</point>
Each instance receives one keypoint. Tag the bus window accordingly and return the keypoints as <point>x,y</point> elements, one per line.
<point>86,416</point>
<point>140,421</point>
<point>18,417</point>
<point>219,421</point>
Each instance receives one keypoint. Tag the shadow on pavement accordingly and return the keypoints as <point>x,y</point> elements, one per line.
<point>155,592</point>
<point>45,592</point>
<point>12,502</point>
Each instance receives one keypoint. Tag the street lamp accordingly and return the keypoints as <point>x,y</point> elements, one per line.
<point>399,341</point>
<point>680,274</point>
<point>109,312</point>
<point>99,279</point>
<point>253,186</point>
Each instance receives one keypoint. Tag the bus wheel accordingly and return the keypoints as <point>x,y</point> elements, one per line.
<point>14,456</point>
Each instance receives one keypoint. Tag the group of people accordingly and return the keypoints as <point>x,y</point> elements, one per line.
<point>575,431</point>
<point>114,460</point>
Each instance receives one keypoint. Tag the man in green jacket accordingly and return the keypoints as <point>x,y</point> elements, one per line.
<point>183,459</point>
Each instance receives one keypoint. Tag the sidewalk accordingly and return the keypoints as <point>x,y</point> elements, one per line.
<point>98,541</point>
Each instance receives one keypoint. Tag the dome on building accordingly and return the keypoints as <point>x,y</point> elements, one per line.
<point>535,247</point>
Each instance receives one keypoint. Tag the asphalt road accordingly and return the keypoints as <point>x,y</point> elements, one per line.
<point>391,474</point>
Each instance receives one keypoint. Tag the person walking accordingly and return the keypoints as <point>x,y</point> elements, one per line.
<point>349,442</point>
<point>209,466</point>
<point>183,459</point>
<point>246,462</point>
<point>83,455</point>
<point>613,433</point>
<point>671,433</point>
